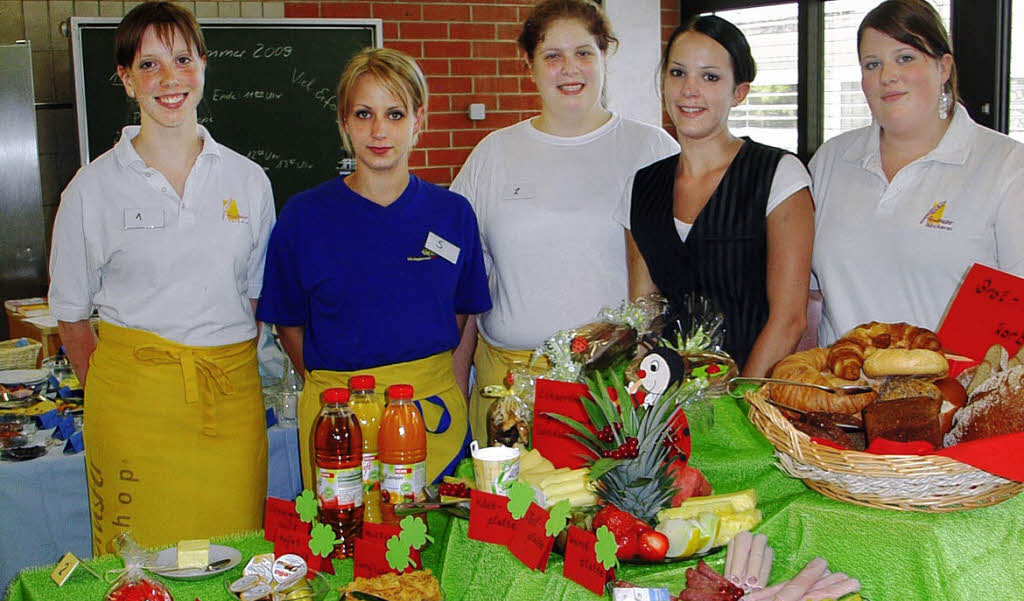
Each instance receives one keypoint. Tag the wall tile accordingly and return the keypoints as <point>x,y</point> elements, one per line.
<point>111,8</point>
<point>12,22</point>
<point>206,9</point>
<point>87,8</point>
<point>42,75</point>
<point>228,9</point>
<point>63,78</point>
<point>37,24</point>
<point>274,10</point>
<point>252,10</point>
<point>60,11</point>
<point>46,131</point>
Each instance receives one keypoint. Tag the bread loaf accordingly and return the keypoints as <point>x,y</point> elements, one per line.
<point>996,407</point>
<point>847,355</point>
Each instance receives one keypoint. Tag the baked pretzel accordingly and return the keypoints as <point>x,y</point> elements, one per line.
<point>846,356</point>
<point>810,366</point>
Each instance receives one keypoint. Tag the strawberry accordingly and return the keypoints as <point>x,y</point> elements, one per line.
<point>653,545</point>
<point>629,545</point>
<point>626,529</point>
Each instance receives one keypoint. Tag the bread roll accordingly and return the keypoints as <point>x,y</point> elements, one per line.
<point>906,362</point>
<point>847,355</point>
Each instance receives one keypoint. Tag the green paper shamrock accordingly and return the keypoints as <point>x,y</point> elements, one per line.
<point>398,554</point>
<point>321,540</point>
<point>520,495</point>
<point>305,505</point>
<point>556,521</point>
<point>605,548</point>
<point>414,532</point>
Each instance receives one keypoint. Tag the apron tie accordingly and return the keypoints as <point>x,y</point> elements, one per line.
<point>191,367</point>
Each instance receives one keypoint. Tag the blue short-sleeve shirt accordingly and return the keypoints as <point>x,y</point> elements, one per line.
<point>360,280</point>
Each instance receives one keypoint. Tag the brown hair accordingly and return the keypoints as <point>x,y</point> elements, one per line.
<point>727,35</point>
<point>590,14</point>
<point>167,18</point>
<point>396,71</point>
<point>917,24</point>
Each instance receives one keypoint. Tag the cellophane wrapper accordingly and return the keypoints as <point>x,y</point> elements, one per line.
<point>133,583</point>
<point>510,415</point>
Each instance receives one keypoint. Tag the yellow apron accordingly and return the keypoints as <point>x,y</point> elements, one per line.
<point>175,439</point>
<point>440,402</point>
<point>492,364</point>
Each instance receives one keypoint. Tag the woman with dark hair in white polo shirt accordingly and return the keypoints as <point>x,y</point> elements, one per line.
<point>906,205</point>
<point>165,235</point>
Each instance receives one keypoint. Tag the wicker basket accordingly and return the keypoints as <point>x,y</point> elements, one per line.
<point>19,357</point>
<point>927,483</point>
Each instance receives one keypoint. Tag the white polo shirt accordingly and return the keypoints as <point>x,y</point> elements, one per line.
<point>897,251</point>
<point>182,268</point>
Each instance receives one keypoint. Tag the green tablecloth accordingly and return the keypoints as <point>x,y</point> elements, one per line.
<point>901,556</point>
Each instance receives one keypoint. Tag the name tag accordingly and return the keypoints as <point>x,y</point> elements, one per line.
<point>521,190</point>
<point>150,218</point>
<point>442,247</point>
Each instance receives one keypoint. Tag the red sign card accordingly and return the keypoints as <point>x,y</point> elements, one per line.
<point>370,558</point>
<point>550,436</point>
<point>531,544</point>
<point>278,514</point>
<point>581,565</point>
<point>489,519</point>
<point>296,540</point>
<point>987,309</point>
<point>380,533</point>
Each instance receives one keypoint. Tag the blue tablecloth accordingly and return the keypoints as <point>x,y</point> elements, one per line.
<point>44,503</point>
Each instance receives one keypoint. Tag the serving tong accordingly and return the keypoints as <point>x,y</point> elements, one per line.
<point>840,390</point>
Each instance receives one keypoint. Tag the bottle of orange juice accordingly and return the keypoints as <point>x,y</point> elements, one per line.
<point>402,449</point>
<point>369,410</point>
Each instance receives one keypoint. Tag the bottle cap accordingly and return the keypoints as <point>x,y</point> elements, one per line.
<point>362,382</point>
<point>400,391</point>
<point>336,395</point>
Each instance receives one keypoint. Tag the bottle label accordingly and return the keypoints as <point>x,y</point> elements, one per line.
<point>340,489</point>
<point>403,483</point>
<point>371,472</point>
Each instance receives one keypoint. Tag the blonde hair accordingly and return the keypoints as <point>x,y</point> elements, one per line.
<point>396,71</point>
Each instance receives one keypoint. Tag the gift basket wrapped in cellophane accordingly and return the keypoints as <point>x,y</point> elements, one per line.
<point>903,408</point>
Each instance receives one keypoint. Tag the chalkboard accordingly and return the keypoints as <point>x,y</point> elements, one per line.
<point>269,92</point>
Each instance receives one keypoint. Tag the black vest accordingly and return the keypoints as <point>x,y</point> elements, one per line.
<point>724,258</point>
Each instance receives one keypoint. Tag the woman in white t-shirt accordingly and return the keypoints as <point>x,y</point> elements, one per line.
<point>545,190</point>
<point>727,219</point>
<point>906,205</point>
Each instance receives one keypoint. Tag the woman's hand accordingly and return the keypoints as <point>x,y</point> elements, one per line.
<point>790,239</point>
<point>640,283</point>
<point>79,342</point>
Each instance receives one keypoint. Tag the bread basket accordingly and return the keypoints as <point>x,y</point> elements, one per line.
<point>13,356</point>
<point>925,483</point>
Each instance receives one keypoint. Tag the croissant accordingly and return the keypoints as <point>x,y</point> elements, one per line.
<point>810,366</point>
<point>846,356</point>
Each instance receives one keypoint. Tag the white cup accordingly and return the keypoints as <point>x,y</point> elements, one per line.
<point>495,468</point>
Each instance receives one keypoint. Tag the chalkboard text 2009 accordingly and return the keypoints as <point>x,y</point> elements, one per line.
<point>260,51</point>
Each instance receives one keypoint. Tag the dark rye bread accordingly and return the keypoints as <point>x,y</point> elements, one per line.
<point>904,420</point>
<point>996,407</point>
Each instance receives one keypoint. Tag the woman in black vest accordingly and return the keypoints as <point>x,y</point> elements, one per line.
<point>727,219</point>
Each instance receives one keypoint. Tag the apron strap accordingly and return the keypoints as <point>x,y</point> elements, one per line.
<point>446,417</point>
<point>191,367</point>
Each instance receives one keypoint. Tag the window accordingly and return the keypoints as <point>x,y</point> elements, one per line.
<point>1016,123</point>
<point>844,106</point>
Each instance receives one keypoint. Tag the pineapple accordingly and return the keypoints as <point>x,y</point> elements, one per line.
<point>632,449</point>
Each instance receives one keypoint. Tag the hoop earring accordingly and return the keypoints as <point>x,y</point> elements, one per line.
<point>945,103</point>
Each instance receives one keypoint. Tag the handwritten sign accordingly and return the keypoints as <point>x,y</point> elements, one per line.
<point>531,544</point>
<point>550,436</point>
<point>370,557</point>
<point>581,565</point>
<point>489,519</point>
<point>292,536</point>
<point>987,309</point>
<point>278,514</point>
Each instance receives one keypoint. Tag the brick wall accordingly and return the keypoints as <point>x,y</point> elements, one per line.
<point>468,52</point>
<point>670,10</point>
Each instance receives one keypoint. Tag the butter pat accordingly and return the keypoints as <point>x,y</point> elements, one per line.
<point>194,553</point>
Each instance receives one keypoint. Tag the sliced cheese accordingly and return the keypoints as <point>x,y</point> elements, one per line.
<point>562,489</point>
<point>579,475</point>
<point>194,553</point>
<point>578,499</point>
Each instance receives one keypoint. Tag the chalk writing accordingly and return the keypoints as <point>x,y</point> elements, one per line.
<point>220,95</point>
<point>325,95</point>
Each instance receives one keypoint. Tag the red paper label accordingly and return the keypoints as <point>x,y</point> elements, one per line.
<point>380,533</point>
<point>581,565</point>
<point>294,538</point>
<point>370,559</point>
<point>987,309</point>
<point>550,436</point>
<point>278,514</point>
<point>489,519</point>
<point>531,544</point>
